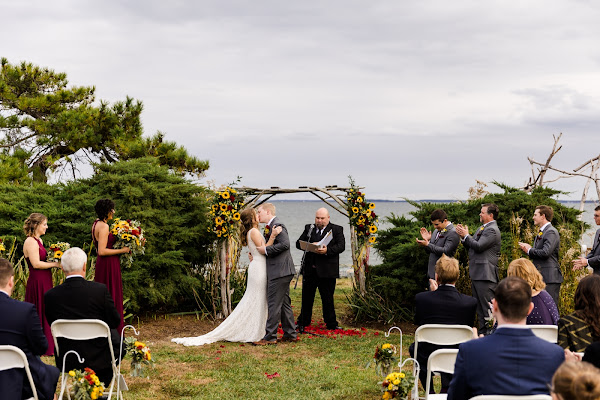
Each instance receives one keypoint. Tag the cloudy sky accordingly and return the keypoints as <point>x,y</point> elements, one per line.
<point>414,99</point>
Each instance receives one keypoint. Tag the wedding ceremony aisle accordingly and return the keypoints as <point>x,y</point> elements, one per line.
<point>332,366</point>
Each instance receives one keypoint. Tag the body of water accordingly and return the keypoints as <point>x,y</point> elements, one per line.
<point>296,214</point>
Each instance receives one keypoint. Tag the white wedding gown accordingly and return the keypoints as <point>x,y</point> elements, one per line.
<point>248,320</point>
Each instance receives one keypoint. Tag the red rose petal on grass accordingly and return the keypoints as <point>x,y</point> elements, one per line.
<point>222,346</point>
<point>218,351</point>
<point>376,333</point>
<point>271,376</point>
<point>217,358</point>
<point>336,368</point>
<point>242,345</point>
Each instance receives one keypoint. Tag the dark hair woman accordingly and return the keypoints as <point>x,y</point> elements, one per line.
<point>579,329</point>
<point>40,274</point>
<point>108,265</point>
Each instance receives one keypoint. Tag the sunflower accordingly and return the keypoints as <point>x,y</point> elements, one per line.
<point>58,254</point>
<point>355,210</point>
<point>219,221</point>
<point>372,229</point>
<point>236,216</point>
<point>372,239</point>
<point>225,195</point>
<point>223,207</point>
<point>371,205</point>
<point>215,207</point>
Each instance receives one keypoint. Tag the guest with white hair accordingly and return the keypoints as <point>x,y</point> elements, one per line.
<point>78,298</point>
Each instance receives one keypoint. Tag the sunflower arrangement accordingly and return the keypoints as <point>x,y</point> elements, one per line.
<point>225,212</point>
<point>362,216</point>
<point>140,356</point>
<point>86,385</point>
<point>57,250</point>
<point>130,234</point>
<point>397,384</point>
<point>2,247</point>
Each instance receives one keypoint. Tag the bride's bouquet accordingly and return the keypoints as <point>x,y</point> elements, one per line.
<point>57,250</point>
<point>129,233</point>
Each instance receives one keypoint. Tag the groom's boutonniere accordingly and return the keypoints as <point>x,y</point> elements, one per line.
<point>267,230</point>
<point>540,233</point>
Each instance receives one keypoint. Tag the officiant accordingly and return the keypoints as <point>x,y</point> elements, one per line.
<point>320,268</point>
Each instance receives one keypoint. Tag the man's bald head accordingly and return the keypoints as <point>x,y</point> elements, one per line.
<point>322,218</point>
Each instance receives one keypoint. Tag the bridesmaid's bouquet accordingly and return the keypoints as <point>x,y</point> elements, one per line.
<point>129,233</point>
<point>57,250</point>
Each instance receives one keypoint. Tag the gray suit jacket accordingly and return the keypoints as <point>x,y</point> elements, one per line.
<point>279,258</point>
<point>594,256</point>
<point>446,243</point>
<point>544,255</point>
<point>484,250</point>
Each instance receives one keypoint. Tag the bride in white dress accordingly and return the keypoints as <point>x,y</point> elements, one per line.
<point>248,320</point>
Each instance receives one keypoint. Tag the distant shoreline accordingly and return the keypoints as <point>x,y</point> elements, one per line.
<point>417,201</point>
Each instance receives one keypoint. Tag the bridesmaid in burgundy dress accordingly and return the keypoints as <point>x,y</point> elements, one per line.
<point>108,265</point>
<point>40,275</point>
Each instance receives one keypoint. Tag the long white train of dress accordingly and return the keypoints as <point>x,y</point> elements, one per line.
<point>248,320</point>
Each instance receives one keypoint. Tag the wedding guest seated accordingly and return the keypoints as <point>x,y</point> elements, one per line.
<point>581,328</point>
<point>544,311</point>
<point>78,298</point>
<point>512,360</point>
<point>592,354</point>
<point>575,380</point>
<point>443,304</point>
<point>20,327</point>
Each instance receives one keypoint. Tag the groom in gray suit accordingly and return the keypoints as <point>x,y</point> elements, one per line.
<point>280,271</point>
<point>593,258</point>
<point>544,252</point>
<point>484,251</point>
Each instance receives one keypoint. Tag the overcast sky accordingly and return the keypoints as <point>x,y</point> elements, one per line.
<point>414,99</point>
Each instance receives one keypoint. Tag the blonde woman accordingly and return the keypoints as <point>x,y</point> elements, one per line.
<point>575,380</point>
<point>40,274</point>
<point>544,310</point>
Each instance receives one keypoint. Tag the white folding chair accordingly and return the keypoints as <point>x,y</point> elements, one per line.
<point>13,357</point>
<point>441,334</point>
<point>546,332</point>
<point>85,329</point>
<point>441,360</point>
<point>511,397</point>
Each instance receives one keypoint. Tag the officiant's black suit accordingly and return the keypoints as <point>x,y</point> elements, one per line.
<point>320,271</point>
<point>78,298</point>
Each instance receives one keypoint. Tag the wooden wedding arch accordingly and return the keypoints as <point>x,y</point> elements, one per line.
<point>333,196</point>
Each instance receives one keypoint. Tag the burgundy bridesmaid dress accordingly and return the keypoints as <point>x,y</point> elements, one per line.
<point>39,282</point>
<point>108,271</point>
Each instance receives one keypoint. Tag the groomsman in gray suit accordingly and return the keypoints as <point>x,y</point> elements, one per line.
<point>593,258</point>
<point>443,240</point>
<point>280,271</point>
<point>544,252</point>
<point>484,251</point>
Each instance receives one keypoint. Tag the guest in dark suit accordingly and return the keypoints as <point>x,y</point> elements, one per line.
<point>544,253</point>
<point>593,258</point>
<point>443,304</point>
<point>78,298</point>
<point>320,269</point>
<point>512,360</point>
<point>20,327</point>
<point>443,240</point>
<point>484,251</point>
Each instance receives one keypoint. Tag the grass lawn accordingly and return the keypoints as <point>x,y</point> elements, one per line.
<point>313,368</point>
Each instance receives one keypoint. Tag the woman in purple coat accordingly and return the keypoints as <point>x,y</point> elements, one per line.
<point>544,311</point>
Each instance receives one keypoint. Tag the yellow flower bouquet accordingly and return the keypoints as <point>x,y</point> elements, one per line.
<point>57,250</point>
<point>385,357</point>
<point>225,212</point>
<point>397,384</point>
<point>85,385</point>
<point>130,234</point>
<point>140,357</point>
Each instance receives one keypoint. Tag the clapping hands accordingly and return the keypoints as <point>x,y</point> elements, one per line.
<point>426,235</point>
<point>462,230</point>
